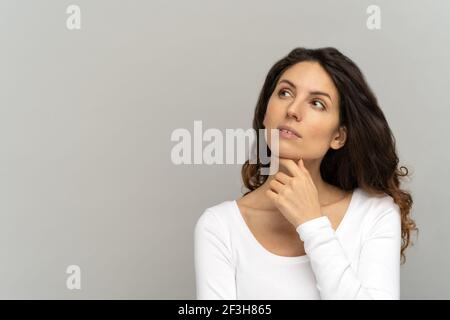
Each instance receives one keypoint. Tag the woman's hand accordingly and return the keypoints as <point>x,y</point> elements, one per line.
<point>295,196</point>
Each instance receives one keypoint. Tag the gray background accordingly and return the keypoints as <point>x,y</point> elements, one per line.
<point>86,118</point>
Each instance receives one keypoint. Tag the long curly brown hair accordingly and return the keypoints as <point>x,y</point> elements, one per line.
<point>368,159</point>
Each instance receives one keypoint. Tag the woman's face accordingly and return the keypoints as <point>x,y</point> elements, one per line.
<point>306,100</point>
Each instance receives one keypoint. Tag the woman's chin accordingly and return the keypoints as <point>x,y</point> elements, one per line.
<point>288,153</point>
<point>286,156</point>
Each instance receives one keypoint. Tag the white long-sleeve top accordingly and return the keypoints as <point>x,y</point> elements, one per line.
<point>358,260</point>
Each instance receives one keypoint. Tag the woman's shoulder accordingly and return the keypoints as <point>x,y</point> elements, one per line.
<point>377,201</point>
<point>217,217</point>
<point>380,211</point>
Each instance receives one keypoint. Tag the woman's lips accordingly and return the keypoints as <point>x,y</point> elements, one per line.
<point>286,134</point>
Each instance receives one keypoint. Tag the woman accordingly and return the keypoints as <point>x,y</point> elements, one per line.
<point>332,223</point>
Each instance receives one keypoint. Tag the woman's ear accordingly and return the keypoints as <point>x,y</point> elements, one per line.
<point>340,138</point>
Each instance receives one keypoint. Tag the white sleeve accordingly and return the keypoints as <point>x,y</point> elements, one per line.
<point>214,266</point>
<point>378,270</point>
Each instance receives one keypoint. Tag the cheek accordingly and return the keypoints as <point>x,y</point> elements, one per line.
<point>274,114</point>
<point>320,134</point>
<point>317,130</point>
<point>320,128</point>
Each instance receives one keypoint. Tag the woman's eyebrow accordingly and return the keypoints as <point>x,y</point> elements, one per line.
<point>315,92</point>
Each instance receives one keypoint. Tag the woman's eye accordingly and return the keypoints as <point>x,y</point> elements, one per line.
<point>320,103</point>
<point>280,93</point>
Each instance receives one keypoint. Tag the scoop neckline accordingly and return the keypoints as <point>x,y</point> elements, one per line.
<point>276,257</point>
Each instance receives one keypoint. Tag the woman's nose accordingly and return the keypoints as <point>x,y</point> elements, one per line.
<point>293,111</point>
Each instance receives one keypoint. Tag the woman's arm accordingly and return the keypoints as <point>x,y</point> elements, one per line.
<point>378,274</point>
<point>214,267</point>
